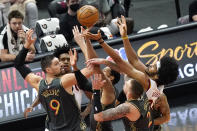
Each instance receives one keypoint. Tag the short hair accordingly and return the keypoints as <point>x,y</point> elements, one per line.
<point>168,72</point>
<point>46,62</point>
<point>60,50</point>
<point>15,14</point>
<point>130,25</point>
<point>116,76</point>
<point>137,89</point>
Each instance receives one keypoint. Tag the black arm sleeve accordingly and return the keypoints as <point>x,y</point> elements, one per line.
<point>20,61</point>
<point>97,101</point>
<point>82,81</point>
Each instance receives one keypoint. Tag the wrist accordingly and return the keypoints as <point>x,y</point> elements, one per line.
<point>101,41</point>
<point>124,37</point>
<point>27,45</point>
<point>75,68</point>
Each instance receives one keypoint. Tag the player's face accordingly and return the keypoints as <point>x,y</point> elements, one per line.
<point>65,63</point>
<point>16,24</point>
<point>151,70</point>
<point>55,67</point>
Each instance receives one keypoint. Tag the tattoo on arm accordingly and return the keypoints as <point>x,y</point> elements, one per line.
<point>116,113</point>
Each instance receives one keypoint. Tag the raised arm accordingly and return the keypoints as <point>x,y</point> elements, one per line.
<point>130,52</point>
<point>124,66</point>
<point>79,39</point>
<point>26,72</point>
<point>108,93</point>
<point>82,81</point>
<point>99,61</point>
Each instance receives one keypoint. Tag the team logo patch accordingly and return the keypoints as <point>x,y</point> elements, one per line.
<point>44,26</point>
<point>49,44</point>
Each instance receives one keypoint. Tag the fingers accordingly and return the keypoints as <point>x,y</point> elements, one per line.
<point>97,81</point>
<point>70,52</point>
<point>119,21</point>
<point>29,36</point>
<point>75,53</point>
<point>75,30</point>
<point>123,19</point>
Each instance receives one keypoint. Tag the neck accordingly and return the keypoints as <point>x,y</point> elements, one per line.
<point>72,13</point>
<point>129,99</point>
<point>49,78</point>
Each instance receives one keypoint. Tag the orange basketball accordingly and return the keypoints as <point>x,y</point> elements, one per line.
<point>87,15</point>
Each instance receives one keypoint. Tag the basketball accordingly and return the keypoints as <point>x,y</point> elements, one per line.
<point>87,15</point>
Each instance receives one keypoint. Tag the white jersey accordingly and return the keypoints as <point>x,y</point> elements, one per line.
<point>78,95</point>
<point>154,92</point>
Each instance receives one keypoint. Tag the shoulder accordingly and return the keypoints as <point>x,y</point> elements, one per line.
<point>163,97</point>
<point>3,40</point>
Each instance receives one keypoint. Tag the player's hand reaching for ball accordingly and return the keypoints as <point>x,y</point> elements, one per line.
<point>96,37</point>
<point>121,23</point>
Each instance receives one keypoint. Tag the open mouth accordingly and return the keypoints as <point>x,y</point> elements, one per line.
<point>65,67</point>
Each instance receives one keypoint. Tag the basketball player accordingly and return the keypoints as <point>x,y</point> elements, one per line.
<point>160,111</point>
<point>55,93</point>
<point>135,111</point>
<point>166,72</point>
<point>108,94</point>
<point>62,53</point>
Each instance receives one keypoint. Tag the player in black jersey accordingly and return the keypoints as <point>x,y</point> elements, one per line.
<point>55,93</point>
<point>135,110</point>
<point>62,53</point>
<point>108,94</point>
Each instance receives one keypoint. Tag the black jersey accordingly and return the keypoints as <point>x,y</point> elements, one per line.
<point>156,114</point>
<point>61,107</point>
<point>144,123</point>
<point>106,125</point>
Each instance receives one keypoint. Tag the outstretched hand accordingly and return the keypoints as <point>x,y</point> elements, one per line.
<point>73,58</point>
<point>97,81</point>
<point>121,23</point>
<point>29,39</point>
<point>96,37</point>
<point>78,37</point>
